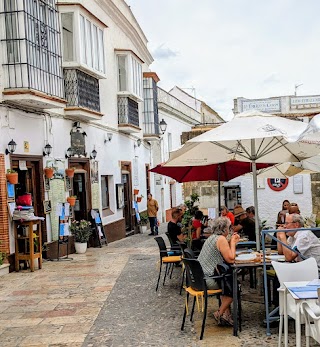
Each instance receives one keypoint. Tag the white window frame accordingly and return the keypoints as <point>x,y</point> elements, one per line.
<point>94,64</point>
<point>134,72</point>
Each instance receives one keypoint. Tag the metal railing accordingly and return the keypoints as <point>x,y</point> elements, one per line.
<point>128,111</point>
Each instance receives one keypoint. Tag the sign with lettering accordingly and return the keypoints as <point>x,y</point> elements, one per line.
<point>78,144</point>
<point>264,105</point>
<point>278,184</point>
<point>305,101</point>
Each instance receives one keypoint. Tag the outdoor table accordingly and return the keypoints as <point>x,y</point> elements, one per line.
<point>245,244</point>
<point>298,303</point>
<point>235,267</point>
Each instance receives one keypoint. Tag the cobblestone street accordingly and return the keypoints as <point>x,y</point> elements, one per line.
<point>107,298</point>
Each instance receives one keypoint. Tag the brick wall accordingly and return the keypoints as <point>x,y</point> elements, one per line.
<point>4,222</point>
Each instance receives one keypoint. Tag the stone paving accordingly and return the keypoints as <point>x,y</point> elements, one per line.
<point>107,297</point>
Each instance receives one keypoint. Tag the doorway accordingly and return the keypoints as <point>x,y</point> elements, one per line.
<point>81,187</point>
<point>232,196</point>
<point>129,215</point>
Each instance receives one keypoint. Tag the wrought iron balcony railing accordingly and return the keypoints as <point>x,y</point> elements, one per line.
<point>32,52</point>
<point>128,111</point>
<point>81,89</point>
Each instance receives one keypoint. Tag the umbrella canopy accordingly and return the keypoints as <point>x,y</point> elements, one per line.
<point>228,171</point>
<point>251,137</point>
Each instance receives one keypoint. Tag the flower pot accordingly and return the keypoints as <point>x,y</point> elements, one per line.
<point>139,198</point>
<point>48,171</point>
<point>70,173</point>
<point>80,247</point>
<point>12,178</point>
<point>135,191</point>
<point>71,201</point>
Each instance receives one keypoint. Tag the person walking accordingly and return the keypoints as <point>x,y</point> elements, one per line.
<point>152,210</point>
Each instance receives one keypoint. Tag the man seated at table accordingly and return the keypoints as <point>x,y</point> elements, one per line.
<point>243,224</point>
<point>174,228</point>
<point>303,241</point>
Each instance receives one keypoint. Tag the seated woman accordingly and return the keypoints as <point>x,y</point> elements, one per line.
<point>198,226</point>
<point>226,213</point>
<point>217,250</point>
<point>282,214</point>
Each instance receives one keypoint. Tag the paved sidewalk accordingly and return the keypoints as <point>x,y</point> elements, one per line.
<point>107,298</point>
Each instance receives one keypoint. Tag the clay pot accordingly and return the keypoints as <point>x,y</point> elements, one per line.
<point>139,198</point>
<point>48,171</point>
<point>70,173</point>
<point>135,191</point>
<point>12,178</point>
<point>71,200</point>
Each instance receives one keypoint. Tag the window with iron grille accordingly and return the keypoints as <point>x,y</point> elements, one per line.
<point>105,192</point>
<point>128,111</point>
<point>32,39</point>
<point>150,103</point>
<point>81,89</point>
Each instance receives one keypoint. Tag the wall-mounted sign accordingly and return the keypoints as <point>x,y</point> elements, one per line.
<point>278,184</point>
<point>26,146</point>
<point>305,101</point>
<point>264,105</point>
<point>78,144</point>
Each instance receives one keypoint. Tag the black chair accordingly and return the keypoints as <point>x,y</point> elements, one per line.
<point>197,288</point>
<point>173,246</point>
<point>165,259</point>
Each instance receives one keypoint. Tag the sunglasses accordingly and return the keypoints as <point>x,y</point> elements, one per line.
<point>293,204</point>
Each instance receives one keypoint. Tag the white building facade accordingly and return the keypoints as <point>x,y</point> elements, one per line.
<point>77,92</point>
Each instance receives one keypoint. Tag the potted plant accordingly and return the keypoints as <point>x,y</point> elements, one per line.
<point>48,171</point>
<point>135,191</point>
<point>144,220</point>
<point>70,172</point>
<point>72,200</point>
<point>12,176</point>
<point>139,198</point>
<point>81,232</point>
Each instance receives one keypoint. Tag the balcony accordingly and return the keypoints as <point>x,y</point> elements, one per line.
<point>82,95</point>
<point>32,76</point>
<point>151,129</point>
<point>128,115</point>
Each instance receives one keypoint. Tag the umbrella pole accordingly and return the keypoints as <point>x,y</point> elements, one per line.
<point>219,190</point>
<point>255,194</point>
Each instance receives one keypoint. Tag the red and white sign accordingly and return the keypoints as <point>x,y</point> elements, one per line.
<point>278,184</point>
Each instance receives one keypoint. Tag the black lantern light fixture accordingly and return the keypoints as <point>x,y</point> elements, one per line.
<point>11,147</point>
<point>163,126</point>
<point>47,150</point>
<point>69,153</point>
<point>93,154</point>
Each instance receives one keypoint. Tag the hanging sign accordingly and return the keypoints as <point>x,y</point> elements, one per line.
<point>278,184</point>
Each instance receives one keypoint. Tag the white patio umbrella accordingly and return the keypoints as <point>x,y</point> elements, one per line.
<point>250,136</point>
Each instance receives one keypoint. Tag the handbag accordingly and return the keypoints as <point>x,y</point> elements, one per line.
<point>226,281</point>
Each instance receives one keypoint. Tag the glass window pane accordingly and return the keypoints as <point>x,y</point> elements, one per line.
<point>101,52</point>
<point>89,43</point>
<point>67,36</point>
<point>82,40</point>
<point>95,47</point>
<point>122,73</point>
<point>105,192</point>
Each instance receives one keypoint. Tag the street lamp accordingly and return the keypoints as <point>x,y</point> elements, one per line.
<point>163,126</point>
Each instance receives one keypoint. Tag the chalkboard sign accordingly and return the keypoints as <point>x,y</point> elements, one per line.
<point>78,144</point>
<point>99,236</point>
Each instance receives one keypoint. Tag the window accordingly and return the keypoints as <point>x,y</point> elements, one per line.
<point>122,73</point>
<point>105,192</point>
<point>67,36</point>
<point>129,75</point>
<point>169,142</point>
<point>91,45</point>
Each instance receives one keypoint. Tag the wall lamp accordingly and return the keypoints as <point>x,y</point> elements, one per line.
<point>163,126</point>
<point>137,143</point>
<point>11,147</point>
<point>69,153</point>
<point>108,137</point>
<point>47,150</point>
<point>93,154</point>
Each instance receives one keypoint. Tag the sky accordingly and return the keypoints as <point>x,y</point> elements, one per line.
<point>223,49</point>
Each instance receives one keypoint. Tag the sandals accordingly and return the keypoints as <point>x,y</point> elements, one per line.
<point>226,319</point>
<point>217,316</point>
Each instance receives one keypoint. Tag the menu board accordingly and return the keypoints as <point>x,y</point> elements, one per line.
<point>95,195</point>
<point>56,195</point>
